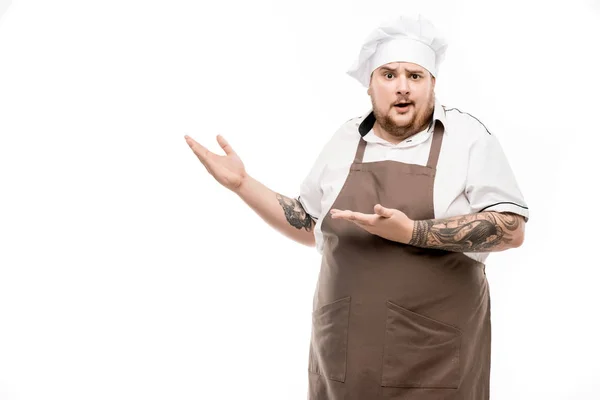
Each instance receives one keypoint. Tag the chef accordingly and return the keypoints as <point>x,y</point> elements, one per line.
<point>404,202</point>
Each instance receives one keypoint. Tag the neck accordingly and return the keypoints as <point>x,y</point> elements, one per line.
<point>398,137</point>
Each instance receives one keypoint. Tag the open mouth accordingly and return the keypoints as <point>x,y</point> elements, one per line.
<point>402,106</point>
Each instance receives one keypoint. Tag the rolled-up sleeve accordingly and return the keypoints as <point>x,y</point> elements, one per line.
<point>310,193</point>
<point>491,184</point>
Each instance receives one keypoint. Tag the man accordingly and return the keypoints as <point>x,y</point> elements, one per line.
<point>404,203</point>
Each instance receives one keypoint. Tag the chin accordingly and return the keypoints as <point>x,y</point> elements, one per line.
<point>403,117</point>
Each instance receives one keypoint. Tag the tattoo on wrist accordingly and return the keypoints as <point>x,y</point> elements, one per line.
<point>295,214</point>
<point>478,232</point>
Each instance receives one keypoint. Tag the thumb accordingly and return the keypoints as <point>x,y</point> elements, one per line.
<point>225,145</point>
<point>384,212</point>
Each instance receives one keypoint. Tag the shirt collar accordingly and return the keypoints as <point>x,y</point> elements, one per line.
<point>368,119</point>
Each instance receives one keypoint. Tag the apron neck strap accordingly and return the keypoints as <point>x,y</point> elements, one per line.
<point>436,145</point>
<point>360,150</point>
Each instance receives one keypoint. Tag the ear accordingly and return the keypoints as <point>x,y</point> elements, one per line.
<point>433,80</point>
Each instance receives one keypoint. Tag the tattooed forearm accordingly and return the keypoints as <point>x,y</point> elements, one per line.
<point>486,231</point>
<point>295,214</point>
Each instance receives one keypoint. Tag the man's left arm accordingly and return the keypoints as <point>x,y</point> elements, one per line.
<point>480,232</point>
<point>486,231</point>
<point>498,213</point>
<point>495,222</point>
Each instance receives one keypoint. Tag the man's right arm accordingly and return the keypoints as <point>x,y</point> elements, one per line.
<point>283,213</point>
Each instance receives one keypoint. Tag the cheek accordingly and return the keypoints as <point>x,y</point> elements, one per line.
<point>383,98</point>
<point>424,99</point>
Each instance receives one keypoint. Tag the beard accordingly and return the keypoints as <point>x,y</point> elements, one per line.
<point>419,121</point>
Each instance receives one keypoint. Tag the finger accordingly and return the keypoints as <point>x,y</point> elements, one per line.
<point>364,219</point>
<point>335,213</point>
<point>352,216</point>
<point>197,148</point>
<point>225,145</point>
<point>200,151</point>
<point>335,210</point>
<point>346,214</point>
<point>382,211</point>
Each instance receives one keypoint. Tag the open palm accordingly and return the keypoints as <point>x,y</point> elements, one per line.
<point>228,170</point>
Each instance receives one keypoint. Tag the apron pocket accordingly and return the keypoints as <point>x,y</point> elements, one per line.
<point>419,352</point>
<point>329,341</point>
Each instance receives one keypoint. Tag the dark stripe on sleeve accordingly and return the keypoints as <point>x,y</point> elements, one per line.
<point>313,217</point>
<point>504,202</point>
<point>456,109</point>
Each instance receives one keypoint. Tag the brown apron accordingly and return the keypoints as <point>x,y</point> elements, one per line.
<point>394,321</point>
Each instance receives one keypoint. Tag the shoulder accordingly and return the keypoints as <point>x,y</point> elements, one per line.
<point>341,144</point>
<point>348,131</point>
<point>465,124</point>
<point>353,123</point>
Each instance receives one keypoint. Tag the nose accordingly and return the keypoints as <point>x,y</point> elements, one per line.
<point>403,87</point>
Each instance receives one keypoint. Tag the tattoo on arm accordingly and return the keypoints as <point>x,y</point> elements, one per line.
<point>484,231</point>
<point>295,214</point>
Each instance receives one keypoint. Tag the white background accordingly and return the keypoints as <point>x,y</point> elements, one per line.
<point>127,272</point>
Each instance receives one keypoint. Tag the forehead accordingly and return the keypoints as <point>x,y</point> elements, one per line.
<point>402,66</point>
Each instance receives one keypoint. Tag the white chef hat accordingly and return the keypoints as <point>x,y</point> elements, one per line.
<point>403,39</point>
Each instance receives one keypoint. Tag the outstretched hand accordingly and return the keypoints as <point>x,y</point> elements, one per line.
<point>388,223</point>
<point>228,170</point>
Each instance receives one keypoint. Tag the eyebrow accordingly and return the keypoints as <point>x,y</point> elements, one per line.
<point>410,71</point>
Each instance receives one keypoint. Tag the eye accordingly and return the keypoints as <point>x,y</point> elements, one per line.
<point>415,76</point>
<point>389,74</point>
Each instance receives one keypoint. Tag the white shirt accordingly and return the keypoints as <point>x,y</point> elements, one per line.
<point>472,175</point>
